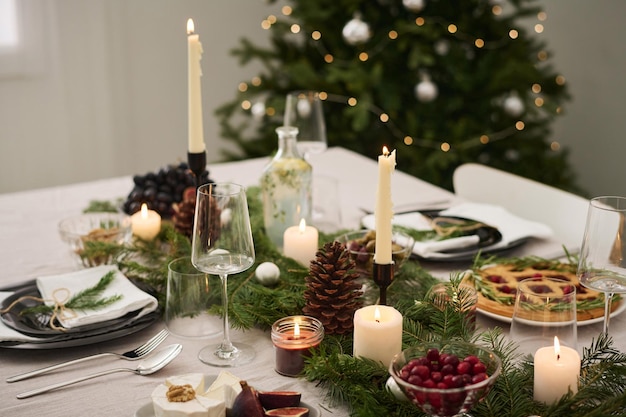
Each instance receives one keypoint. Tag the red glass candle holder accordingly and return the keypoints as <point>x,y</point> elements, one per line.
<point>293,339</point>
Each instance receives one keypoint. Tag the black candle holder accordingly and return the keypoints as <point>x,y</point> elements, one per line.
<point>197,165</point>
<point>382,274</point>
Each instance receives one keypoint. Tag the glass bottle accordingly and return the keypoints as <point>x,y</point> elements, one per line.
<point>286,187</point>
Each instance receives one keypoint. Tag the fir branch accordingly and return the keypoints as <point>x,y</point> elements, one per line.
<point>87,299</point>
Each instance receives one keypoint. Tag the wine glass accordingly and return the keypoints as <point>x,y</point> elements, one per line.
<point>304,111</point>
<point>602,266</point>
<point>222,245</point>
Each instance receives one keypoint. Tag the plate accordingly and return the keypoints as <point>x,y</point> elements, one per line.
<point>147,410</point>
<point>38,325</point>
<point>513,271</point>
<point>84,335</point>
<point>470,254</point>
<point>507,319</point>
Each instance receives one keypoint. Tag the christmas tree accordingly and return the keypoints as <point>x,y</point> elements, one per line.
<point>443,82</point>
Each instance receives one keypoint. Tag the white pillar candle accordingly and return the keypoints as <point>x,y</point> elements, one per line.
<point>384,208</point>
<point>301,242</point>
<point>146,224</point>
<point>377,333</point>
<point>194,109</point>
<point>557,369</point>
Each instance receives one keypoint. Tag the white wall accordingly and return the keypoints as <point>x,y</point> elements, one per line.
<point>587,39</point>
<point>110,95</point>
<point>105,91</point>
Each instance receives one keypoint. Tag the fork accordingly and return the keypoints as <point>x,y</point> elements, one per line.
<point>132,355</point>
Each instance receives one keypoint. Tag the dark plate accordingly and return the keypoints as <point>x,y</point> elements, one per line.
<point>82,340</point>
<point>39,324</point>
<point>83,335</point>
<point>469,254</point>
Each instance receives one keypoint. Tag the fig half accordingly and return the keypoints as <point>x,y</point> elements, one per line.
<point>247,403</point>
<point>288,412</point>
<point>279,399</point>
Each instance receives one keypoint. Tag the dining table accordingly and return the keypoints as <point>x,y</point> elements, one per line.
<point>30,247</point>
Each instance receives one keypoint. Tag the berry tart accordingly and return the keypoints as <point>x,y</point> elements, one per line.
<point>496,282</point>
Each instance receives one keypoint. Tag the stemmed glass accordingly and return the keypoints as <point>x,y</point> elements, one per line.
<point>303,110</point>
<point>222,245</point>
<point>602,266</point>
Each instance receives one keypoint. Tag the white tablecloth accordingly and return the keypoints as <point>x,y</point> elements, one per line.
<point>30,246</point>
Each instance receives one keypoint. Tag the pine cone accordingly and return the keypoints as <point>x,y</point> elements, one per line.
<point>184,212</point>
<point>332,293</point>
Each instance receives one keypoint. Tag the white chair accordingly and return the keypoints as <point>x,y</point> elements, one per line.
<point>564,212</point>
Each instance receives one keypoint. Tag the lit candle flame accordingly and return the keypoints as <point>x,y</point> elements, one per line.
<point>190,27</point>
<point>302,226</point>
<point>385,151</point>
<point>144,211</point>
<point>557,348</point>
<point>296,331</point>
<point>377,315</point>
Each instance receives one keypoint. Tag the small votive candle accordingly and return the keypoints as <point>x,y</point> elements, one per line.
<point>146,224</point>
<point>300,242</point>
<point>293,338</point>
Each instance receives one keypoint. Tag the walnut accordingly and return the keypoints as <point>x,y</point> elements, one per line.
<point>180,393</point>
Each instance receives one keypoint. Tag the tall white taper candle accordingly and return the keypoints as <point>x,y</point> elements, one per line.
<point>194,55</point>
<point>384,207</point>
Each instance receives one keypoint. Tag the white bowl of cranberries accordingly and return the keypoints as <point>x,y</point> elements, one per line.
<point>445,379</point>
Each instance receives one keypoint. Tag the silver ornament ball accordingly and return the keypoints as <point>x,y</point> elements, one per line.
<point>356,31</point>
<point>426,91</point>
<point>513,106</point>
<point>413,5</point>
<point>267,273</point>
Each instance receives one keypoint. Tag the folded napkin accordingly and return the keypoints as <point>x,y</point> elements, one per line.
<point>133,298</point>
<point>512,228</point>
<point>7,334</point>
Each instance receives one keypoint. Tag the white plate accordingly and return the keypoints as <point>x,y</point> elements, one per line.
<point>506,319</point>
<point>147,410</point>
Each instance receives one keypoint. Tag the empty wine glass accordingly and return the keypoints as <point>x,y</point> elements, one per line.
<point>222,245</point>
<point>304,111</point>
<point>602,266</point>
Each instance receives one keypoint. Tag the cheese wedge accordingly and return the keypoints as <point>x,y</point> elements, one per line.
<point>201,406</point>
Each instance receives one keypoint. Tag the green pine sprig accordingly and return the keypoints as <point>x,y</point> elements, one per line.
<point>87,299</point>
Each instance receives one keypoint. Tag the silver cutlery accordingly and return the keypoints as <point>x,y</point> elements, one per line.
<point>132,355</point>
<point>146,367</point>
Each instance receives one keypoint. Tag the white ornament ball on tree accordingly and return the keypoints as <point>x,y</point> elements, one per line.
<point>258,110</point>
<point>413,5</point>
<point>514,106</point>
<point>426,91</point>
<point>356,31</point>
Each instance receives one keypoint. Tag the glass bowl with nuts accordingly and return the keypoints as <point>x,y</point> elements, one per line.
<point>96,238</point>
<point>361,245</point>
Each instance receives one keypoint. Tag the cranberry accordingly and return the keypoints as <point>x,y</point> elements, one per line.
<point>473,359</point>
<point>464,368</point>
<point>479,378</point>
<point>432,355</point>
<point>447,369</point>
<point>429,383</point>
<point>479,368</point>
<point>421,371</point>
<point>450,359</point>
